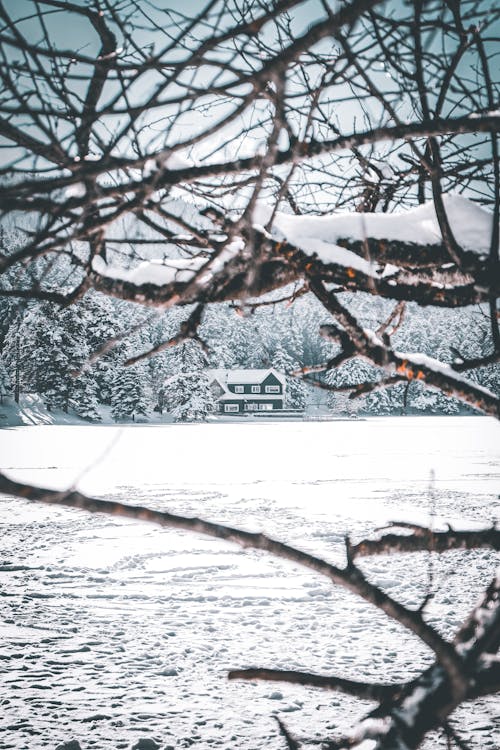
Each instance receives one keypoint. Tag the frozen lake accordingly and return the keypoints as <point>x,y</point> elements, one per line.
<point>112,630</point>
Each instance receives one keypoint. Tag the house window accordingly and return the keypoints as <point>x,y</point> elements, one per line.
<point>255,388</point>
<point>272,389</point>
<point>239,389</point>
<point>265,407</point>
<point>251,407</point>
<point>231,407</point>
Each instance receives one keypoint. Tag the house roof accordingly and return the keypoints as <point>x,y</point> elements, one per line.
<point>242,377</point>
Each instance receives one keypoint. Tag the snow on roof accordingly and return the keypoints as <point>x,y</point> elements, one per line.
<point>242,377</point>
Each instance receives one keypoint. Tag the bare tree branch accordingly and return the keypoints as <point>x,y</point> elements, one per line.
<point>363,690</point>
<point>425,539</point>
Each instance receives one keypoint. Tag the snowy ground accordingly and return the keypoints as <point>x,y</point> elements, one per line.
<point>111,630</point>
<point>31,410</point>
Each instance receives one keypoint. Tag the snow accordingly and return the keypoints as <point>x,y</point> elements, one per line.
<point>31,410</point>
<point>366,745</point>
<point>436,365</point>
<point>160,272</point>
<point>328,252</point>
<point>76,190</point>
<point>113,630</point>
<point>217,263</point>
<point>318,235</point>
<point>370,728</point>
<point>471,226</point>
<point>410,705</point>
<point>151,272</point>
<point>242,376</point>
<point>179,161</point>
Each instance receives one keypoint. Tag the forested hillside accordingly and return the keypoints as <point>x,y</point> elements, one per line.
<point>75,357</point>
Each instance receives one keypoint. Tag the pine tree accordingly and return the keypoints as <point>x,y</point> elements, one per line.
<point>21,353</point>
<point>159,372</point>
<point>102,326</point>
<point>187,392</point>
<point>385,401</point>
<point>5,385</point>
<point>128,397</point>
<point>84,398</point>
<point>219,325</point>
<point>159,366</point>
<point>422,399</point>
<point>45,357</point>
<point>48,346</point>
<point>350,373</point>
<point>295,389</point>
<point>446,404</point>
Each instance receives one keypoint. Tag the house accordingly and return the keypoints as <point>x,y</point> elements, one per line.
<point>240,391</point>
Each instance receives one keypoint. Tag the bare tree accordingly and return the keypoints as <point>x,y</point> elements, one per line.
<point>374,106</point>
<point>224,142</point>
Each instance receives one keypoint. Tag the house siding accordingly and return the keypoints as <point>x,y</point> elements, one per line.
<point>240,403</point>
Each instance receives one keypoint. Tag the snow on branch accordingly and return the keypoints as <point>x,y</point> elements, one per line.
<point>400,366</point>
<point>417,226</point>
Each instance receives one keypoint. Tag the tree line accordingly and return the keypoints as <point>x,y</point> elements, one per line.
<point>76,358</point>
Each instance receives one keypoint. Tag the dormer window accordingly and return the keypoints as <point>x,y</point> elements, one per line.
<point>239,389</point>
<point>272,389</point>
<point>255,388</point>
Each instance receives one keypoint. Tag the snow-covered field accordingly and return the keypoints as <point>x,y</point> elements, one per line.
<point>112,630</point>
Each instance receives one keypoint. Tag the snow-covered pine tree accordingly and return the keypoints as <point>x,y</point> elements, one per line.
<point>129,397</point>
<point>217,328</point>
<point>446,404</point>
<point>102,326</point>
<point>159,372</point>
<point>310,347</point>
<point>74,323</point>
<point>187,391</point>
<point>244,332</point>
<point>350,373</point>
<point>422,399</point>
<point>48,346</point>
<point>386,401</point>
<point>295,389</point>
<point>45,357</point>
<point>21,352</point>
<point>159,366</point>
<point>5,384</point>
<point>83,399</point>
